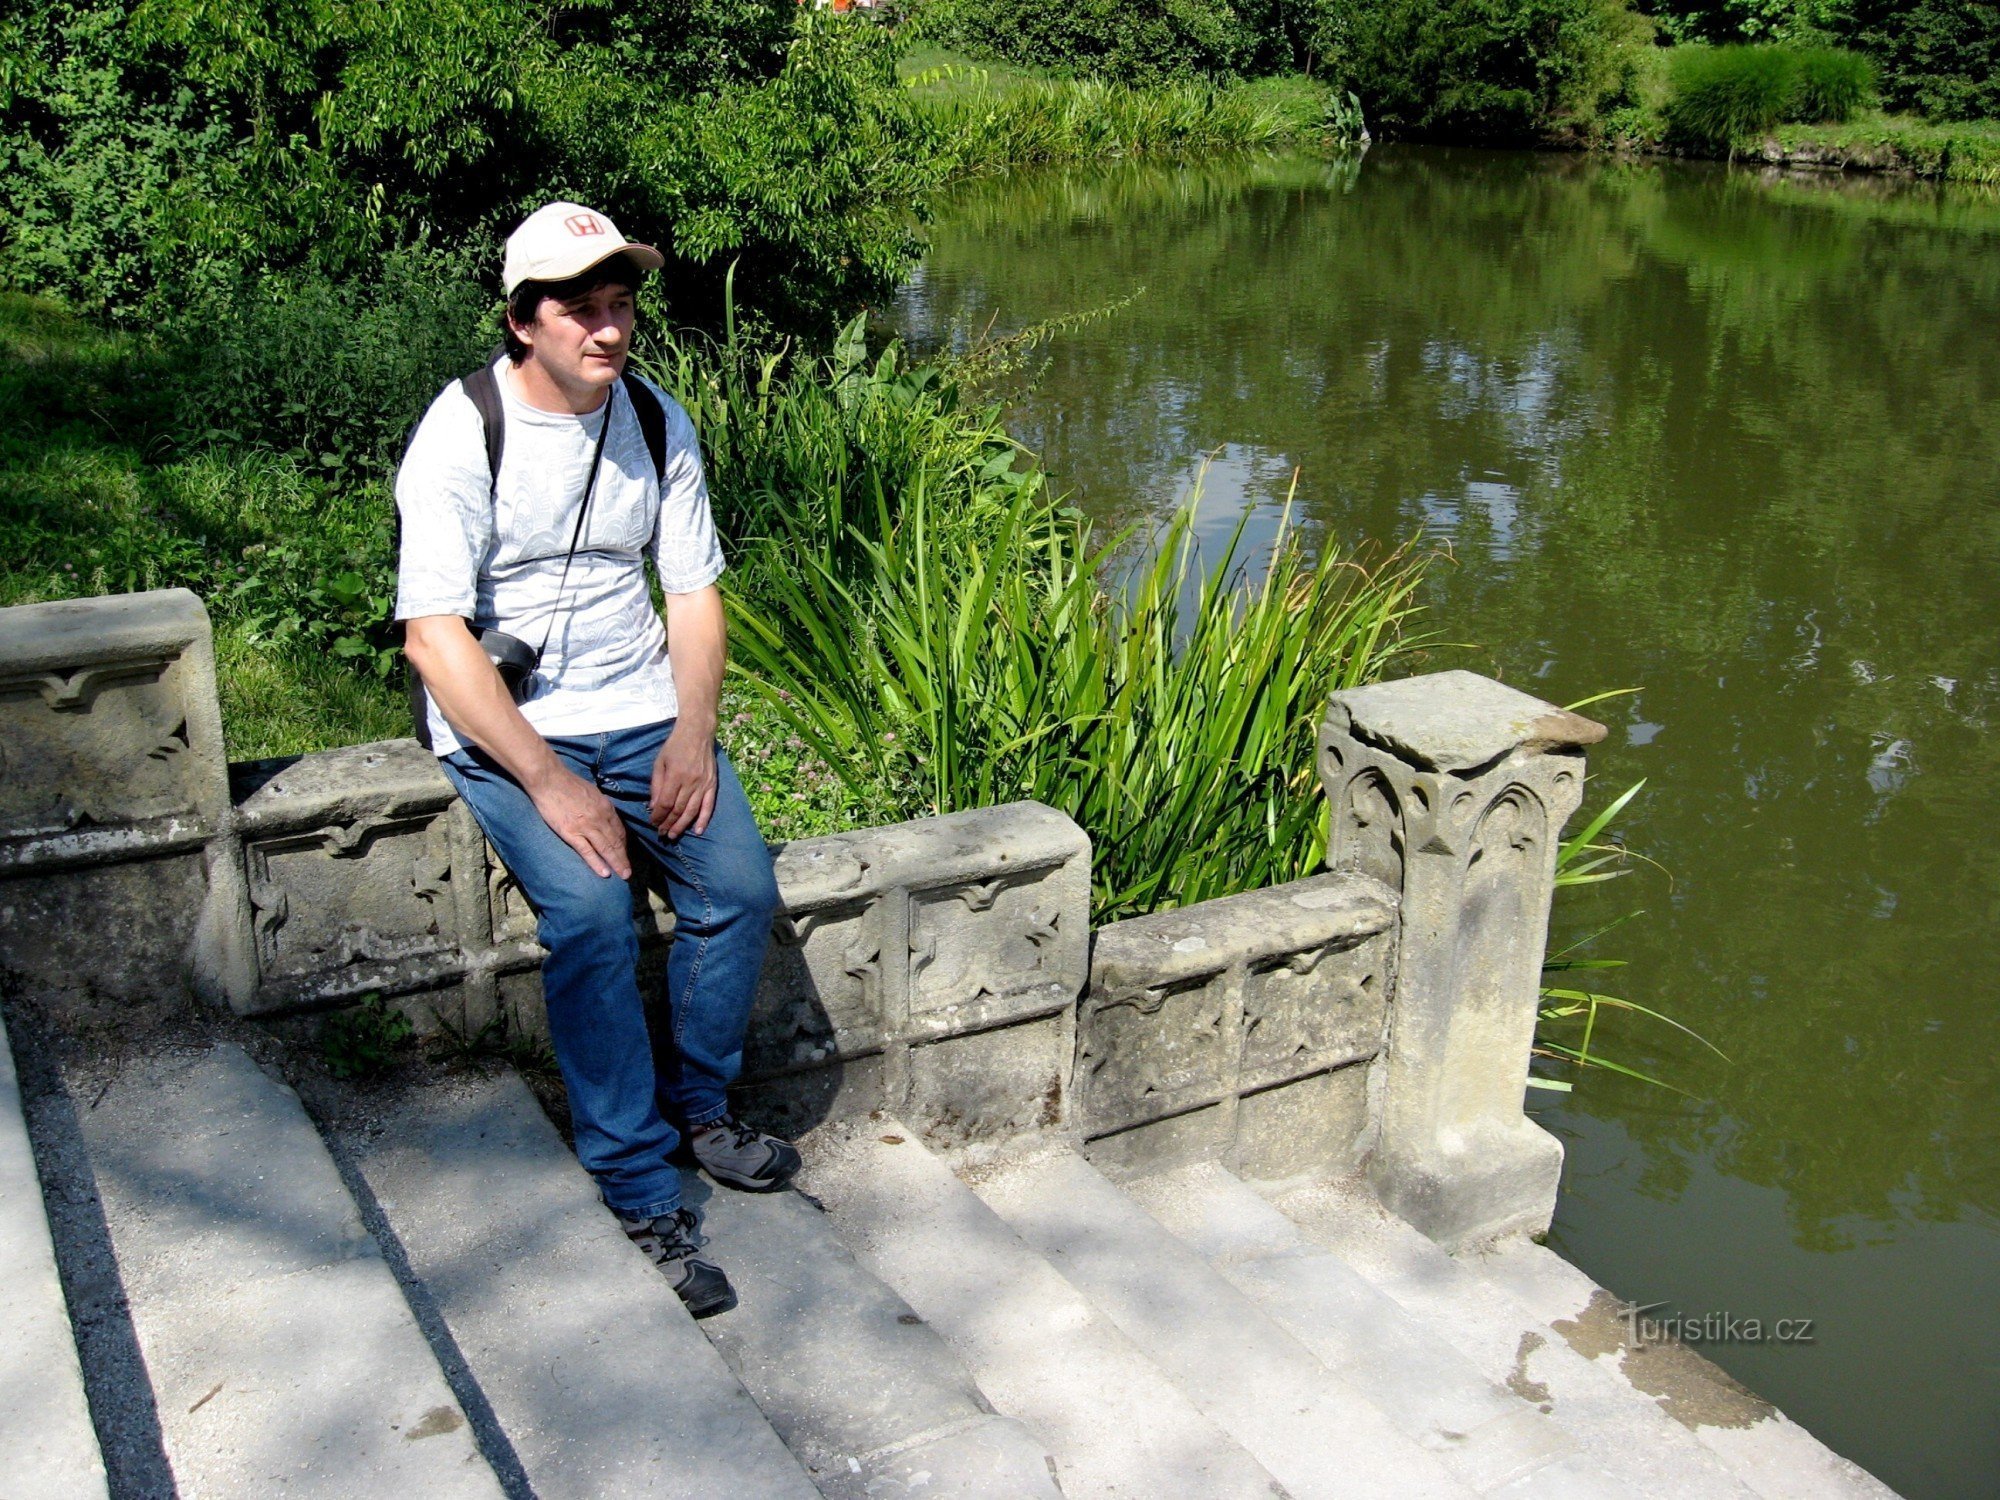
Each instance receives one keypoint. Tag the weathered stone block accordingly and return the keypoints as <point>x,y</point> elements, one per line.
<point>1316,1126</point>
<point>1149,1050</point>
<point>1314,1009</point>
<point>793,1103</point>
<point>346,908</point>
<point>1199,1135</point>
<point>1189,1006</point>
<point>990,1086</point>
<point>982,950</point>
<point>352,785</point>
<point>518,996</point>
<point>820,996</point>
<point>112,935</point>
<point>113,742</point>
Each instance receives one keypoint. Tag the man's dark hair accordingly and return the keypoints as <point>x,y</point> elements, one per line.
<point>526,299</point>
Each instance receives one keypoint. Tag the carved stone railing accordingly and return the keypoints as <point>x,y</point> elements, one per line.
<point>1239,1030</point>
<point>1376,1016</point>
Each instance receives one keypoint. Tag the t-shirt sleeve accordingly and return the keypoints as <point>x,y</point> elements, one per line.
<point>686,552</point>
<point>444,497</point>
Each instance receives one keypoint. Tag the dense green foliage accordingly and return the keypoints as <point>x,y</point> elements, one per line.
<point>1832,85</point>
<point>1037,121</point>
<point>1143,42</point>
<point>165,152</point>
<point>1719,96</point>
<point>1483,69</point>
<point>1480,68</point>
<point>1940,58</point>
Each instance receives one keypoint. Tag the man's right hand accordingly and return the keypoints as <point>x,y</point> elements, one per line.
<point>584,818</point>
<point>468,690</point>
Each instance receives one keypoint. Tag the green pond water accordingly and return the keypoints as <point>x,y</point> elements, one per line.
<point>1734,443</point>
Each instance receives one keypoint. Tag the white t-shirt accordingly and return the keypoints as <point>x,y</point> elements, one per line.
<point>494,555</point>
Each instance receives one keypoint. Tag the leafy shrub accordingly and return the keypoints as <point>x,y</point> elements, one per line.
<point>157,149</point>
<point>1479,69</point>
<point>337,373</point>
<point>1940,58</point>
<point>1721,96</point>
<point>1146,42</point>
<point>1832,84</point>
<point>1726,22</point>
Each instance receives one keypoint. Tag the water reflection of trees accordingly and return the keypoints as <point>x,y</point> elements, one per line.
<point>1734,444</point>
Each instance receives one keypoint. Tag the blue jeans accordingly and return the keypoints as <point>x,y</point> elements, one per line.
<point>628,1088</point>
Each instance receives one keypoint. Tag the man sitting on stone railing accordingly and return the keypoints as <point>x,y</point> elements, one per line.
<point>529,495</point>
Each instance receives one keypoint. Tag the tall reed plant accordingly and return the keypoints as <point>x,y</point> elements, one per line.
<point>1083,119</point>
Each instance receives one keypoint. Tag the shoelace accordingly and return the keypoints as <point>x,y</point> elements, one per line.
<point>677,1244</point>
<point>740,1135</point>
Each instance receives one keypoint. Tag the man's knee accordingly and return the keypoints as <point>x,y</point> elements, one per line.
<point>593,908</point>
<point>753,893</point>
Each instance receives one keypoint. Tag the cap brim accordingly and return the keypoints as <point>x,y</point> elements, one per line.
<point>644,256</point>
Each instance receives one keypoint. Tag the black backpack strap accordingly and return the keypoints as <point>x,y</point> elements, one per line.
<point>652,420</point>
<point>484,392</point>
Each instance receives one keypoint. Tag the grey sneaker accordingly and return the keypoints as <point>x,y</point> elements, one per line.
<point>669,1243</point>
<point>732,1152</point>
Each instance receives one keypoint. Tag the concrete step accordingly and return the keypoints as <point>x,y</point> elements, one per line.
<point>1760,1445</point>
<point>1648,1453</point>
<point>281,1354</point>
<point>1312,1430</point>
<point>1485,1434</point>
<point>861,1388</point>
<point>598,1378</point>
<point>1116,1427</point>
<point>47,1445</point>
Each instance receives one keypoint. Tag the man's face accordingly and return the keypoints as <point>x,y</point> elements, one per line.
<point>581,344</point>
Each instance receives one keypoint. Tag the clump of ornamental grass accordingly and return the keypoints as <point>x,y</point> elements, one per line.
<point>1833,85</point>
<point>1719,97</point>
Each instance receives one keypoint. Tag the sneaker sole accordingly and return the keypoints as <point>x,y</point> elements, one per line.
<point>711,1306</point>
<point>789,1164</point>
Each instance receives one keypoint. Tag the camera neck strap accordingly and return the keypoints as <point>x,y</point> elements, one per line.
<point>582,511</point>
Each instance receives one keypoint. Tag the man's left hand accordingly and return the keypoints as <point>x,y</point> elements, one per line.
<point>683,784</point>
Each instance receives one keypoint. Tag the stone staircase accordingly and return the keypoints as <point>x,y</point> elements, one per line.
<point>427,1299</point>
<point>1029,1256</point>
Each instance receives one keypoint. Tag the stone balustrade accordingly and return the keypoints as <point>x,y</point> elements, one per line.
<point>1376,1016</point>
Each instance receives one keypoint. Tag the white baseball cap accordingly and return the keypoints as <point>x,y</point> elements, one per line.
<point>561,240</point>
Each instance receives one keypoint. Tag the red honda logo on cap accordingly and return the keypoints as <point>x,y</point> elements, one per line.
<point>580,224</point>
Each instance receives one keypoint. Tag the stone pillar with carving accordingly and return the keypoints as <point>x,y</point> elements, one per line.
<point>115,882</point>
<point>1452,789</point>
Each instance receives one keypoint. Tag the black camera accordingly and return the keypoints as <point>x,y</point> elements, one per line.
<point>514,657</point>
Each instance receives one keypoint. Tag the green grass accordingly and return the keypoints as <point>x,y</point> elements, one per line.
<point>1002,118</point>
<point>1965,152</point>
